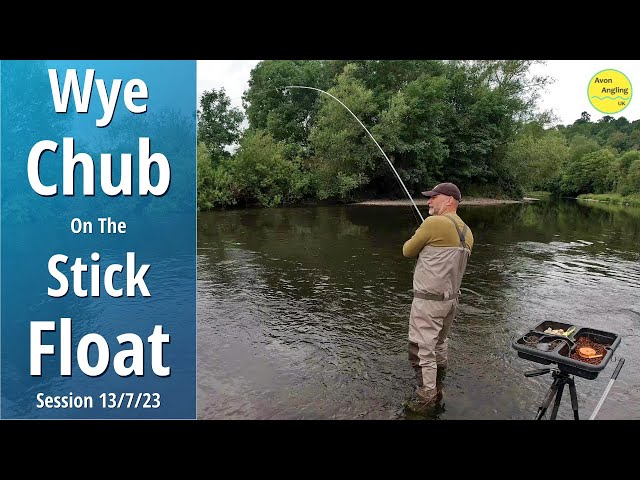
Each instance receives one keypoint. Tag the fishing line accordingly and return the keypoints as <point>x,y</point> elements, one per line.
<point>375,141</point>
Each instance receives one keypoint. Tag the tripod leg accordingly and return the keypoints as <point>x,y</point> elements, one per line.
<point>574,398</point>
<point>556,404</point>
<point>542,409</point>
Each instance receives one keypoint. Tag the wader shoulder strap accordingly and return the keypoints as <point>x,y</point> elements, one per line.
<point>462,234</point>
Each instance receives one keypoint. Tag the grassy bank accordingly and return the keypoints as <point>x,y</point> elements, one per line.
<point>613,198</point>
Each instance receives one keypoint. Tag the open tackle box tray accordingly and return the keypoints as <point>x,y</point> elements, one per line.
<point>547,348</point>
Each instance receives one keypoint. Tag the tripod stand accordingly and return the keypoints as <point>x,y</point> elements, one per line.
<point>560,379</point>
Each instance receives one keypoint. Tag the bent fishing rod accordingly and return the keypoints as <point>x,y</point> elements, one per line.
<point>377,144</point>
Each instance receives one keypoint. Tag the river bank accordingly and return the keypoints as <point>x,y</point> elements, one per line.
<point>423,201</point>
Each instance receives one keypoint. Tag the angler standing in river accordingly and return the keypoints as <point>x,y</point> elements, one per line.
<point>442,243</point>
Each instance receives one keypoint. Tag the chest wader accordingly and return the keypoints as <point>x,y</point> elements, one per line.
<point>437,280</point>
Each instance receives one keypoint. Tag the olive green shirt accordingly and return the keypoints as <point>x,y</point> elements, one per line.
<point>437,231</point>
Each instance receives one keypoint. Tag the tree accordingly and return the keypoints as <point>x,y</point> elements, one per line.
<point>618,140</point>
<point>206,178</point>
<point>340,146</point>
<point>435,120</point>
<point>287,114</point>
<point>261,173</point>
<point>619,174</point>
<point>386,77</point>
<point>581,145</point>
<point>537,162</point>
<point>411,133</point>
<point>219,124</point>
<point>632,180</point>
<point>589,173</point>
<point>513,79</point>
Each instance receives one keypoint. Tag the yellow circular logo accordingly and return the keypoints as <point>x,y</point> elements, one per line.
<point>610,91</point>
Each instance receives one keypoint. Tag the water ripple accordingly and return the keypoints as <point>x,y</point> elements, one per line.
<point>303,313</point>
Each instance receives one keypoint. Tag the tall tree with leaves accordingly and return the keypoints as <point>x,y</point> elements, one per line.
<point>219,124</point>
<point>386,77</point>
<point>286,114</point>
<point>411,133</point>
<point>537,160</point>
<point>343,153</point>
<point>513,80</point>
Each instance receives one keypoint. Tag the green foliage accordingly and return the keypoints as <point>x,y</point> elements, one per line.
<point>214,180</point>
<point>343,153</point>
<point>436,121</point>
<point>599,158</point>
<point>261,174</point>
<point>634,139</point>
<point>387,77</point>
<point>286,114</point>
<point>631,183</point>
<point>487,99</point>
<point>340,185</point>
<point>511,80</point>
<point>619,170</point>
<point>205,175</point>
<point>537,162</point>
<point>218,123</point>
<point>614,199</point>
<point>581,145</point>
<point>588,174</point>
<point>411,130</point>
<point>617,133</point>
<point>618,141</point>
<point>471,122</point>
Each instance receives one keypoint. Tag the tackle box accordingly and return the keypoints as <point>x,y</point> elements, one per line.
<point>547,348</point>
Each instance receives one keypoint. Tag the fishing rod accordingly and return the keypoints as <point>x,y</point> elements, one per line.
<point>604,395</point>
<point>377,144</point>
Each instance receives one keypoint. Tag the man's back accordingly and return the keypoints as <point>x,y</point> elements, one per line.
<point>442,256</point>
<point>437,231</point>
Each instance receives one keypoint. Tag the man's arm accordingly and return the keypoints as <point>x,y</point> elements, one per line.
<point>415,244</point>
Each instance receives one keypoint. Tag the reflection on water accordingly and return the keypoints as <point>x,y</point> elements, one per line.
<point>303,312</point>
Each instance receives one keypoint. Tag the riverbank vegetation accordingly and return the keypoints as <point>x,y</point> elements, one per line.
<point>474,123</point>
<point>613,198</point>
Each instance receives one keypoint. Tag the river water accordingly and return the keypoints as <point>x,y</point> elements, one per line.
<point>303,312</point>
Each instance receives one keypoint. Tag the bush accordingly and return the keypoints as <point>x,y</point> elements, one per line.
<point>261,173</point>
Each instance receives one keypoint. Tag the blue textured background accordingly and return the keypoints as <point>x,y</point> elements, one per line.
<point>160,230</point>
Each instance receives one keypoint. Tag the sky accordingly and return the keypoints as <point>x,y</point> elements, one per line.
<point>233,75</point>
<point>567,96</point>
